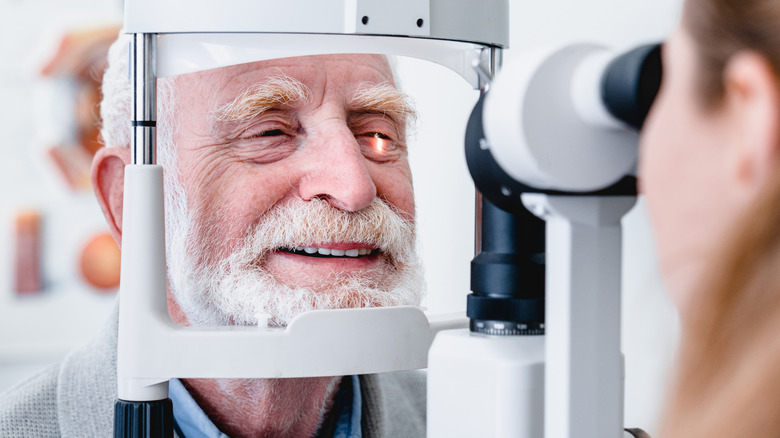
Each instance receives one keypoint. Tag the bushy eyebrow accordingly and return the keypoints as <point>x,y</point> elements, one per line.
<point>382,98</point>
<point>260,98</point>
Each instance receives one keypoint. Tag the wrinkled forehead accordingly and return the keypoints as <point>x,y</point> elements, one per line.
<point>321,74</point>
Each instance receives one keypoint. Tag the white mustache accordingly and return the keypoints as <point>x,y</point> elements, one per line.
<point>316,222</point>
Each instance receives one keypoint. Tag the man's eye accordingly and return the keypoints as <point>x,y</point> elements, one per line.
<point>375,138</point>
<point>270,133</point>
<point>376,135</point>
<point>377,144</point>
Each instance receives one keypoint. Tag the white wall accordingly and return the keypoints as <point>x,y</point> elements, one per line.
<point>38,330</point>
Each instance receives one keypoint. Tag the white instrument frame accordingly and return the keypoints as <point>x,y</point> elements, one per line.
<point>459,34</point>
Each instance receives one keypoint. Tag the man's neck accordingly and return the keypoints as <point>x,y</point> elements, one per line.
<point>265,407</point>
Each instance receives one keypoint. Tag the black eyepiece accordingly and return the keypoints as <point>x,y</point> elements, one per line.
<point>631,83</point>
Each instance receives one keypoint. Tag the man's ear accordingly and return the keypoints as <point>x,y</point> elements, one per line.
<point>108,181</point>
<point>752,99</point>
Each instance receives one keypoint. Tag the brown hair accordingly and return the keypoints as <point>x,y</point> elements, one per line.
<point>721,28</point>
<point>728,381</point>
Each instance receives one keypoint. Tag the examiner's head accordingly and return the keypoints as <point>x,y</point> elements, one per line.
<point>710,169</point>
<point>288,186</point>
<point>710,143</point>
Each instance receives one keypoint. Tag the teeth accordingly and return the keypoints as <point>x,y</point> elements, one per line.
<point>355,252</point>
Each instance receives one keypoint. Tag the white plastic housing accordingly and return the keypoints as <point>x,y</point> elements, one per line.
<point>478,21</point>
<point>586,88</point>
<point>535,130</point>
<point>153,349</point>
<point>187,53</point>
<point>584,366</point>
<point>208,34</point>
<point>485,386</point>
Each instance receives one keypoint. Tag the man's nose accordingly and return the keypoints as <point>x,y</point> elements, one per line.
<point>339,172</point>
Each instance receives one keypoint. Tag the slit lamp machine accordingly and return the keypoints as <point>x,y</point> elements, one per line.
<point>552,148</point>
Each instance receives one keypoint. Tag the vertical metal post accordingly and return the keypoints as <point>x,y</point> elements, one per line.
<point>142,409</point>
<point>489,63</point>
<point>143,72</point>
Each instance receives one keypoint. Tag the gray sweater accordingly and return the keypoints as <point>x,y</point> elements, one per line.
<point>75,398</point>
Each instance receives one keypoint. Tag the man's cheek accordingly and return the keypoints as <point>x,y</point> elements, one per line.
<point>218,239</point>
<point>400,195</point>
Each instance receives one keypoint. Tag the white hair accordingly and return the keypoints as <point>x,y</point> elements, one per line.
<point>116,114</point>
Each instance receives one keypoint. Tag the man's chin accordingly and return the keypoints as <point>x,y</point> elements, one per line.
<point>336,297</point>
<point>334,286</point>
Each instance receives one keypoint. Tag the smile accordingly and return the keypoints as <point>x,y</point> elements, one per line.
<point>326,252</point>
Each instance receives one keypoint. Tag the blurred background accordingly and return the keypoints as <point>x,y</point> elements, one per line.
<point>59,268</point>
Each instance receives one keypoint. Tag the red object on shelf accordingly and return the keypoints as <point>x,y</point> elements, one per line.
<point>100,262</point>
<point>27,257</point>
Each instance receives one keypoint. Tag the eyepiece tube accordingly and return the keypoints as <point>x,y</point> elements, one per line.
<point>631,83</point>
<point>507,274</point>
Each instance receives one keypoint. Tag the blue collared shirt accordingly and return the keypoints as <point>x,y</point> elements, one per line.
<point>191,422</point>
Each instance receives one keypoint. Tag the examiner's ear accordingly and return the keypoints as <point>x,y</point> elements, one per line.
<point>752,99</point>
<point>108,179</point>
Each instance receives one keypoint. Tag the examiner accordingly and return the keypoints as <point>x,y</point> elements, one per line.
<point>710,169</point>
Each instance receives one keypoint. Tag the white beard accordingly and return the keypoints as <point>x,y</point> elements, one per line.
<point>237,290</point>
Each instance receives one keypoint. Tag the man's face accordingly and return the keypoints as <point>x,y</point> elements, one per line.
<point>299,164</point>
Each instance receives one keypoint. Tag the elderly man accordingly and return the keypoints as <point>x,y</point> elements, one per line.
<point>287,189</point>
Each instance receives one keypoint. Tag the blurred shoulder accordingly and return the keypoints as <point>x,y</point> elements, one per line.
<point>29,409</point>
<point>396,403</point>
<point>407,384</point>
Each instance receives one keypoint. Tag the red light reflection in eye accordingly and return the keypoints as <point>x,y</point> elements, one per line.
<point>380,144</point>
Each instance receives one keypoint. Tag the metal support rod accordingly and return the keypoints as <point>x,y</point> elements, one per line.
<point>486,69</point>
<point>143,72</point>
<point>584,365</point>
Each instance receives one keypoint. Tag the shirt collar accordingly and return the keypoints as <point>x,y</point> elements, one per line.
<point>350,415</point>
<point>189,419</point>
